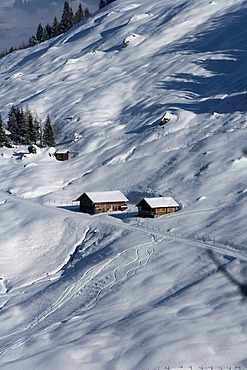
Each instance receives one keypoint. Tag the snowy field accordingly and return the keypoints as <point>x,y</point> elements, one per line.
<point>113,291</point>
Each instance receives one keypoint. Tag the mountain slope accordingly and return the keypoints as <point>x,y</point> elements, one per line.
<point>114,291</point>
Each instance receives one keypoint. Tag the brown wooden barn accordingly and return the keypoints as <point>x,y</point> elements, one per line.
<point>154,207</point>
<point>105,201</point>
<point>62,155</point>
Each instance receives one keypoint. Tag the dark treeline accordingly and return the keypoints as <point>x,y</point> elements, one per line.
<point>47,32</point>
<point>104,3</point>
<point>24,127</point>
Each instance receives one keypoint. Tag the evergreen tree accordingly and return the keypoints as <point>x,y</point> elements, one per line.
<point>31,133</point>
<point>79,14</point>
<point>55,28</point>
<point>37,130</point>
<point>67,19</point>
<point>87,13</point>
<point>12,124</point>
<point>32,41</point>
<point>48,30</point>
<point>39,32</point>
<point>3,136</point>
<point>3,53</point>
<point>46,33</point>
<point>48,135</point>
<point>23,45</point>
<point>104,3</point>
<point>22,125</point>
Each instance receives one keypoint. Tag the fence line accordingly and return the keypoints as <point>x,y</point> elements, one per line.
<point>204,238</point>
<point>156,129</point>
<point>203,367</point>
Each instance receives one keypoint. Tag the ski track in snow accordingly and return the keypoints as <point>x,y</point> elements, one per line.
<point>85,288</point>
<point>179,60</point>
<point>92,291</point>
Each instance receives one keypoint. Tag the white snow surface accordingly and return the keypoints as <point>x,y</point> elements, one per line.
<point>113,291</point>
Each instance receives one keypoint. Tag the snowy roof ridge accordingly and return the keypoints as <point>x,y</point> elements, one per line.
<point>155,202</point>
<point>106,196</point>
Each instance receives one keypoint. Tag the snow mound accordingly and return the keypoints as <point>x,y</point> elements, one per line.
<point>3,288</point>
<point>134,39</point>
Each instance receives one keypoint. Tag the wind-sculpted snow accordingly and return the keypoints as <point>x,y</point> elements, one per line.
<point>113,291</point>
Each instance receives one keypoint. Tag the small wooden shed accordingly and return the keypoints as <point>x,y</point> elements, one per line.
<point>105,201</point>
<point>62,155</point>
<point>154,207</point>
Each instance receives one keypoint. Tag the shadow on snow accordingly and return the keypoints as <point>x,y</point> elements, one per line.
<point>228,33</point>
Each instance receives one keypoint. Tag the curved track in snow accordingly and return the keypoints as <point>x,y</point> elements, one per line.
<point>97,281</point>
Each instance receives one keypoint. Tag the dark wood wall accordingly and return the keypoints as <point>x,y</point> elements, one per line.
<point>87,206</point>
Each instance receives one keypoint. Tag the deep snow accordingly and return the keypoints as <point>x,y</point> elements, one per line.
<point>113,291</point>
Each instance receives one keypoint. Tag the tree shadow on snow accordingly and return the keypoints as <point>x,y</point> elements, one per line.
<point>225,38</point>
<point>71,207</point>
<point>124,216</point>
<point>143,112</point>
<point>242,288</point>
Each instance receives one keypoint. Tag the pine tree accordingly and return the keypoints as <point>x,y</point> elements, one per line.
<point>104,3</point>
<point>37,129</point>
<point>55,28</point>
<point>79,14</point>
<point>48,30</point>
<point>12,124</point>
<point>46,33</point>
<point>39,32</point>
<point>22,125</point>
<point>48,135</point>
<point>67,19</point>
<point>87,13</point>
<point>3,136</point>
<point>32,41</point>
<point>31,133</point>
<point>22,46</point>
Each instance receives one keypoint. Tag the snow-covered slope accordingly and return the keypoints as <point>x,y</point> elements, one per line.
<point>113,291</point>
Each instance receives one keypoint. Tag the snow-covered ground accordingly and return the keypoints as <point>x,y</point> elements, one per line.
<point>112,291</point>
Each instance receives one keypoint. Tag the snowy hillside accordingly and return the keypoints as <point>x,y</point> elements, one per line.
<point>113,291</point>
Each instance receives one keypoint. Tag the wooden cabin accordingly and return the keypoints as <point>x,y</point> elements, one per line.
<point>99,202</point>
<point>155,207</point>
<point>61,155</point>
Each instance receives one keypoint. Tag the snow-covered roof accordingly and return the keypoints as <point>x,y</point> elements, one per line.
<point>167,115</point>
<point>159,202</point>
<point>62,151</point>
<point>105,196</point>
<point>52,150</point>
